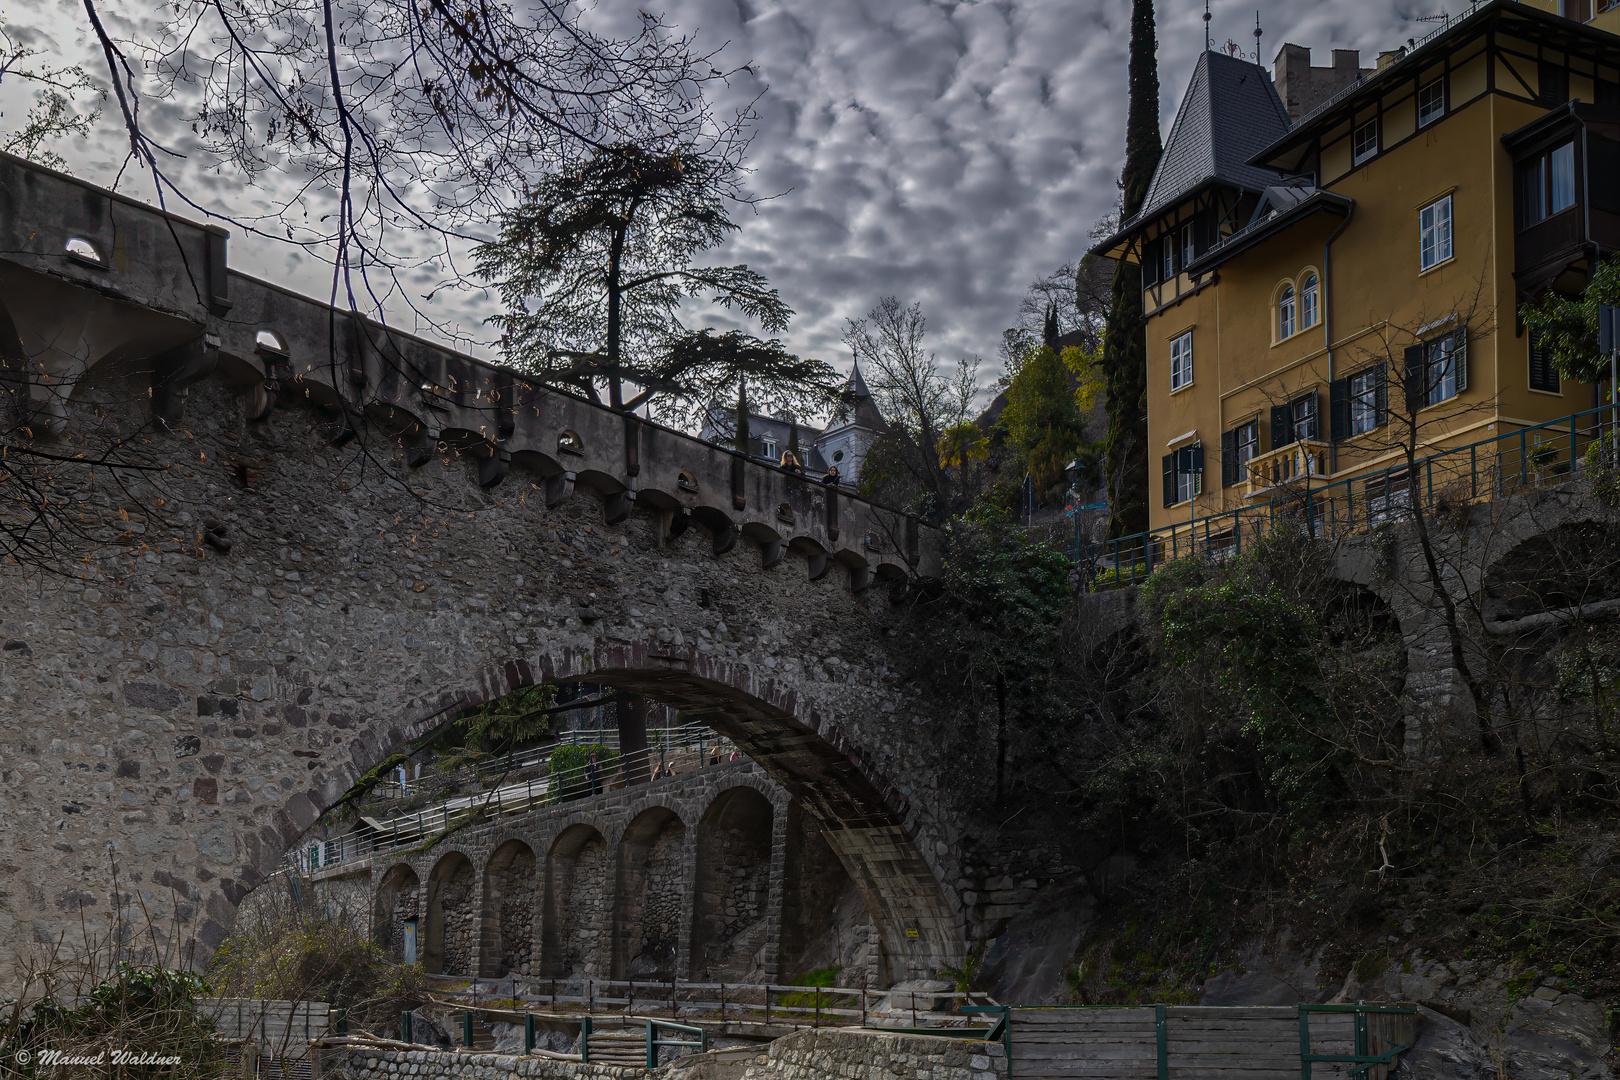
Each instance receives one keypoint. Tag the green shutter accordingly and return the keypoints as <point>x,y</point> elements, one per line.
<point>1170,479</point>
<point>1282,426</point>
<point>1414,379</point>
<point>1229,461</point>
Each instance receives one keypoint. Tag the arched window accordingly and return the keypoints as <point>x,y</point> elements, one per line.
<point>1286,313</point>
<point>1308,307</point>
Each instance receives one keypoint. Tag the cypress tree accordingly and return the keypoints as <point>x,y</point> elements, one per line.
<point>1125,338</point>
<point>1049,329</point>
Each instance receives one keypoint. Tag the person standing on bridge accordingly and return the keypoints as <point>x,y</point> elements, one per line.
<point>830,477</point>
<point>790,463</point>
<point>593,775</point>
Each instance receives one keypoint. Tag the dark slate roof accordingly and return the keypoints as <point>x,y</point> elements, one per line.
<point>859,408</point>
<point>1229,114</point>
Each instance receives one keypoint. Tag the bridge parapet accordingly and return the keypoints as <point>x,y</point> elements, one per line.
<point>90,277</point>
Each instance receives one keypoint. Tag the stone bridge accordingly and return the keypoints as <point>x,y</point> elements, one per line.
<point>715,874</point>
<point>357,534</point>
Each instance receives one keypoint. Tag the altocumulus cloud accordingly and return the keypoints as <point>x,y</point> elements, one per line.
<point>942,152</point>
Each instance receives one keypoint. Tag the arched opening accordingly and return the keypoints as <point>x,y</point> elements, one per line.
<point>649,896</point>
<point>575,924</point>
<point>732,891</point>
<point>510,893</point>
<point>448,943</point>
<point>397,914</point>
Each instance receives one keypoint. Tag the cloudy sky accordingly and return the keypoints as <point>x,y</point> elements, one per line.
<point>943,152</point>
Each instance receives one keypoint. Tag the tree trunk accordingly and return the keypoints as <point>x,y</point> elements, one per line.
<point>615,317</point>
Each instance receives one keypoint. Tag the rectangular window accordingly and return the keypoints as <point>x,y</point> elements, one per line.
<point>1364,143</point>
<point>1547,185</point>
<point>1363,393</point>
<point>1436,370</point>
<point>1183,474</point>
<point>1434,233</point>
<point>1189,246</point>
<point>1431,102</point>
<point>1168,270</point>
<point>1239,447</point>
<point>1543,376</point>
<point>1554,83</point>
<point>1389,495</point>
<point>1302,412</point>
<point>1181,362</point>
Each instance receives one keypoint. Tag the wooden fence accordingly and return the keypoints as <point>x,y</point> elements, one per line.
<point>1200,1042</point>
<point>748,1003</point>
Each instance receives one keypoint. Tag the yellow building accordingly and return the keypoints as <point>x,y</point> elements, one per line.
<point>1334,272</point>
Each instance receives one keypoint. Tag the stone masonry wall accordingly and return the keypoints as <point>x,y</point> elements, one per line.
<point>578,909</point>
<point>811,1054</point>
<point>198,711</point>
<point>517,893</point>
<point>458,902</point>
<point>663,905</point>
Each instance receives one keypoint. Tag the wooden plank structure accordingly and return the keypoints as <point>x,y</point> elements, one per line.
<point>1207,1042</point>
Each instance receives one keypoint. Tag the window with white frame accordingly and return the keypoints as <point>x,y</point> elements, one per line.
<point>1364,142</point>
<point>1443,376</point>
<point>1302,413</point>
<point>1286,313</point>
<point>1169,268</point>
<point>1364,392</point>
<point>1431,102</point>
<point>1189,248</point>
<point>1189,484</point>
<point>1309,304</point>
<point>1181,361</point>
<point>1434,233</point>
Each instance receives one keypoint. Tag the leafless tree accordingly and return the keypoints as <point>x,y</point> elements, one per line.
<point>928,408</point>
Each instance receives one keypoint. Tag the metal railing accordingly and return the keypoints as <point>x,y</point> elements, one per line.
<point>700,749</point>
<point>1513,461</point>
<point>655,1044</point>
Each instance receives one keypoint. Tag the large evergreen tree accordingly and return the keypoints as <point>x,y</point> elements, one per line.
<point>1125,340</point>
<point>595,267</point>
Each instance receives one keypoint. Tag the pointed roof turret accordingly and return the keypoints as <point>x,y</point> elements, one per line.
<point>857,407</point>
<point>1229,113</point>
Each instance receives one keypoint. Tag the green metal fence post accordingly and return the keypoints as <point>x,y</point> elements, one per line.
<point>1524,461</point>
<point>466,1028</point>
<point>405,1032</point>
<point>584,1040</point>
<point>1304,1044</point>
<point>528,1033</point>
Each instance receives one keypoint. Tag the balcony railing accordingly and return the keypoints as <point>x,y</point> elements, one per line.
<point>1494,468</point>
<point>1288,468</point>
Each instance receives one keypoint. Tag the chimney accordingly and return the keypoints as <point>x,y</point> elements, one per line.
<point>1303,87</point>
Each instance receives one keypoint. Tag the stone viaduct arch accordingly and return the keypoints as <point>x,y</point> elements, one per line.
<point>354,545</point>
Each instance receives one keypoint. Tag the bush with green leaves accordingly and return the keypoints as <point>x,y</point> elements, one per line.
<point>568,775</point>
<point>145,1009</point>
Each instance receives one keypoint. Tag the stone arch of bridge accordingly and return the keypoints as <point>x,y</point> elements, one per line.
<point>511,886</point>
<point>649,895</point>
<point>868,821</point>
<point>451,902</point>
